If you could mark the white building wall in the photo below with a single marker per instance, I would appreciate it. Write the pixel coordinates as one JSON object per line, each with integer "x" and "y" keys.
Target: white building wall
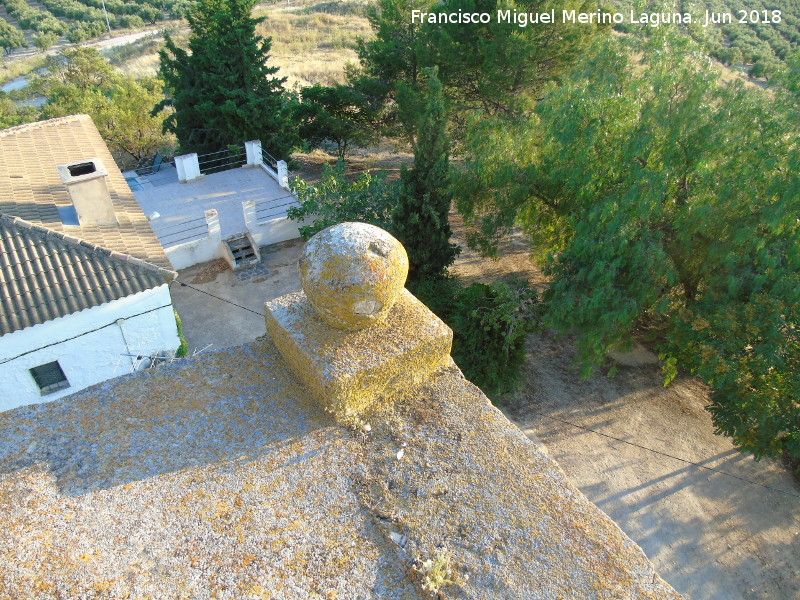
{"x": 198, "y": 251}
{"x": 194, "y": 252}
{"x": 89, "y": 345}
{"x": 275, "y": 230}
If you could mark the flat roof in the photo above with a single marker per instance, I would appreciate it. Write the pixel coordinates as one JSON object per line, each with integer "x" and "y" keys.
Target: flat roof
{"x": 179, "y": 203}
{"x": 219, "y": 476}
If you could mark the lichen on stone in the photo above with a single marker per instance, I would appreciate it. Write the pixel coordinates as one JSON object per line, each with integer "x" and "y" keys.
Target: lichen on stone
{"x": 347, "y": 371}
{"x": 352, "y": 274}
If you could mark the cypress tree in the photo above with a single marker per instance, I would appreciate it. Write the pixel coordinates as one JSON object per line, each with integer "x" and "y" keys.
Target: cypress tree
{"x": 421, "y": 217}
{"x": 221, "y": 89}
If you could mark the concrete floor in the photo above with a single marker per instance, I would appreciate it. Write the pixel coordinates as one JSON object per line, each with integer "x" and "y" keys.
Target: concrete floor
{"x": 176, "y": 203}
{"x": 209, "y": 321}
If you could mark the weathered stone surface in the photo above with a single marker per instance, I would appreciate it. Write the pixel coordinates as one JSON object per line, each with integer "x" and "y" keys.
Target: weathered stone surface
{"x": 220, "y": 471}
{"x": 347, "y": 371}
{"x": 352, "y": 273}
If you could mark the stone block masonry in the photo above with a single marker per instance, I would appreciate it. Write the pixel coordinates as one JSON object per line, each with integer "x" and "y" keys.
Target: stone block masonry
{"x": 354, "y": 335}
{"x": 347, "y": 371}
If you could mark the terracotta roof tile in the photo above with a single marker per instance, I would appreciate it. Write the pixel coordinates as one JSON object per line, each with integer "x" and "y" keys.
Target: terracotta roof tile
{"x": 31, "y": 188}
{"x": 45, "y": 274}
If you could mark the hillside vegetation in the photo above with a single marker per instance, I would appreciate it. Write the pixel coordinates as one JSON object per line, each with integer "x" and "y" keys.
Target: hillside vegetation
{"x": 760, "y": 36}
{"x": 45, "y": 21}
{"x": 312, "y": 42}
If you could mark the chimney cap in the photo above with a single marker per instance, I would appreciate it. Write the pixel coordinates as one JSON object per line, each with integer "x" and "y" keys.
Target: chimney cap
{"x": 82, "y": 170}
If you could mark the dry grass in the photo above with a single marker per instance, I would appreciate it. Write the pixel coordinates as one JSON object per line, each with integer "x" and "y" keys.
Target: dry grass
{"x": 386, "y": 156}
{"x": 141, "y": 66}
{"x": 312, "y": 43}
{"x": 11, "y": 69}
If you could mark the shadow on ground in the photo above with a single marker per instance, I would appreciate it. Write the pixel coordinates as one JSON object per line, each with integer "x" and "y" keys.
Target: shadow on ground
{"x": 710, "y": 526}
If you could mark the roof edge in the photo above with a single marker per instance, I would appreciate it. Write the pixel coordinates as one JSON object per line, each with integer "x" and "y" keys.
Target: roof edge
{"x": 42, "y": 124}
{"x": 68, "y": 239}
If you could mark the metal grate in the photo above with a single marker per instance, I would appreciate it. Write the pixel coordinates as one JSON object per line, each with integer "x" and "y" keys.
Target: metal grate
{"x": 49, "y": 377}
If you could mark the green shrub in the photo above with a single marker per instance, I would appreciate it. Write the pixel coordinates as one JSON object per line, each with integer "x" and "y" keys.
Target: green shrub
{"x": 440, "y": 295}
{"x": 44, "y": 41}
{"x": 369, "y": 198}
{"x": 489, "y": 322}
{"x": 183, "y": 349}
{"x": 489, "y": 329}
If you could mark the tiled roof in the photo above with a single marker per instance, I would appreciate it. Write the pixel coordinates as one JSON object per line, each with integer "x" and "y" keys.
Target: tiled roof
{"x": 45, "y": 274}
{"x": 31, "y": 188}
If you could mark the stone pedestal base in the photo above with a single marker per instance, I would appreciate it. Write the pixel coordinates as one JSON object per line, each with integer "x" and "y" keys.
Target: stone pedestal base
{"x": 346, "y": 371}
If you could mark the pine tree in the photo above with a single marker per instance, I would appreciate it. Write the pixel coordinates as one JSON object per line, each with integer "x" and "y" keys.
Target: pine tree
{"x": 421, "y": 217}
{"x": 221, "y": 89}
{"x": 496, "y": 68}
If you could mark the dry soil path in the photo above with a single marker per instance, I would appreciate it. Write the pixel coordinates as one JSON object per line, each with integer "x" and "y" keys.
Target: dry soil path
{"x": 713, "y": 535}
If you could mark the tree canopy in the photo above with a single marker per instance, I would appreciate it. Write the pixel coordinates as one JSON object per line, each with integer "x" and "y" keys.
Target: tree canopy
{"x": 369, "y": 198}
{"x": 80, "y": 80}
{"x": 338, "y": 114}
{"x": 667, "y": 200}
{"x": 420, "y": 219}
{"x": 11, "y": 38}
{"x": 493, "y": 68}
{"x": 221, "y": 88}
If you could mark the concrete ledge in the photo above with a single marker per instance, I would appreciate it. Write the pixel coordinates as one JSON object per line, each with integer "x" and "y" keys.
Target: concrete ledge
{"x": 347, "y": 371}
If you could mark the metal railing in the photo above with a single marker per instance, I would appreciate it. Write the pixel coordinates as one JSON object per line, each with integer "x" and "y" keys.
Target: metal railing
{"x": 222, "y": 160}
{"x": 266, "y": 210}
{"x": 269, "y": 160}
{"x": 184, "y": 231}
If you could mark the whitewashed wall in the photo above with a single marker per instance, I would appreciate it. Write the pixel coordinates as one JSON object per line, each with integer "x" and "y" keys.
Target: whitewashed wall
{"x": 279, "y": 228}
{"x": 274, "y": 231}
{"x": 88, "y": 345}
{"x": 194, "y": 252}
{"x": 200, "y": 250}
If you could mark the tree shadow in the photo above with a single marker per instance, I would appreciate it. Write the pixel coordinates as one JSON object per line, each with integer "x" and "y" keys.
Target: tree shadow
{"x": 710, "y": 534}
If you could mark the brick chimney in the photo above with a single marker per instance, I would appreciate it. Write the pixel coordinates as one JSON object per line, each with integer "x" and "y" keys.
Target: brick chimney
{"x": 87, "y": 185}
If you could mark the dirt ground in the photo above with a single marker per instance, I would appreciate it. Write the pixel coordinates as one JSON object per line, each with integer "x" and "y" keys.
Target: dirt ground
{"x": 210, "y": 323}
{"x": 713, "y": 535}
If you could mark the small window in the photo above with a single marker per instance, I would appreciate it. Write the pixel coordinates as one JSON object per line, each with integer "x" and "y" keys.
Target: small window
{"x": 50, "y": 378}
{"x": 81, "y": 169}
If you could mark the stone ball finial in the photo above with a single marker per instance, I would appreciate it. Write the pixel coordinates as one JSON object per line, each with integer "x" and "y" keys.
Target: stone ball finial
{"x": 352, "y": 273}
